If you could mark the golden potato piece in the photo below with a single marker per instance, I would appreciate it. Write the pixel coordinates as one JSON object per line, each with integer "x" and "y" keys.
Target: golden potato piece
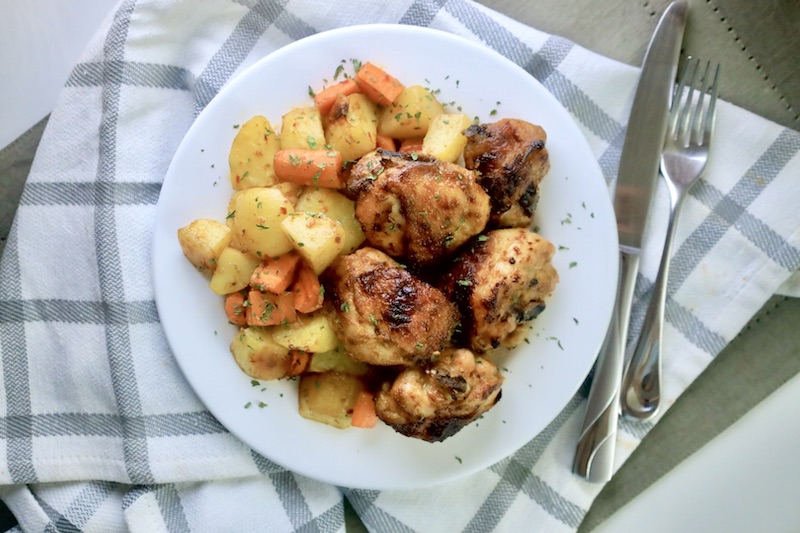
{"x": 202, "y": 242}
{"x": 252, "y": 153}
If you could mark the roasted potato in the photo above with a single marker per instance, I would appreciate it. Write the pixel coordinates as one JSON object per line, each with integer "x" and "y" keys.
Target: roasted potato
{"x": 316, "y": 237}
{"x": 258, "y": 355}
{"x": 202, "y": 241}
{"x": 251, "y": 155}
{"x": 336, "y": 360}
{"x": 301, "y": 127}
{"x": 352, "y": 126}
{"x": 256, "y": 217}
{"x": 339, "y": 208}
{"x": 329, "y": 397}
{"x": 445, "y": 139}
{"x": 310, "y": 333}
{"x": 410, "y": 114}
{"x": 233, "y": 271}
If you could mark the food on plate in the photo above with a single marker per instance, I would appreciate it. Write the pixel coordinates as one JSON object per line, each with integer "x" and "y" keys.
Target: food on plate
{"x": 434, "y": 402}
{"x": 252, "y": 153}
{"x": 511, "y": 160}
{"x": 202, "y": 242}
{"x": 500, "y": 281}
{"x": 376, "y": 248}
{"x": 382, "y": 311}
{"x": 415, "y": 206}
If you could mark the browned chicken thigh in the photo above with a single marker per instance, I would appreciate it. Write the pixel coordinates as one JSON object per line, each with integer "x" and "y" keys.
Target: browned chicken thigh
{"x": 416, "y": 207}
{"x": 435, "y": 402}
{"x": 383, "y": 313}
{"x": 511, "y": 159}
{"x": 500, "y": 281}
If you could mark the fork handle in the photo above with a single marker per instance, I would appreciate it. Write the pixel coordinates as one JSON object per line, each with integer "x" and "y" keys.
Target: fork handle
{"x": 640, "y": 396}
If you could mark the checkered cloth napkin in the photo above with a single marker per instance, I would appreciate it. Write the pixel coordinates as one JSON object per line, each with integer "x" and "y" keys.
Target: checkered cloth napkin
{"x": 99, "y": 430}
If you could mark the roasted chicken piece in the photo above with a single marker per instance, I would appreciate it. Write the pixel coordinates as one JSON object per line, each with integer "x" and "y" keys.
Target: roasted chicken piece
{"x": 499, "y": 281}
{"x": 415, "y": 206}
{"x": 511, "y": 159}
{"x": 383, "y": 314}
{"x": 435, "y": 402}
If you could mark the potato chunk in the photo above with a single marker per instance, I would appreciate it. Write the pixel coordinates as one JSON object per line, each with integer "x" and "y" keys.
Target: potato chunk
{"x": 301, "y": 128}
{"x": 233, "y": 271}
{"x": 316, "y": 237}
{"x": 251, "y": 155}
{"x": 258, "y": 355}
{"x": 202, "y": 241}
{"x": 337, "y": 360}
{"x": 310, "y": 333}
{"x": 329, "y": 397}
{"x": 338, "y": 207}
{"x": 352, "y": 126}
{"x": 410, "y": 115}
{"x": 256, "y": 217}
{"x": 445, "y": 139}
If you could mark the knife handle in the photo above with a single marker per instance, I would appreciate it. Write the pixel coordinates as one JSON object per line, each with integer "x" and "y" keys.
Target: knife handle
{"x": 594, "y": 454}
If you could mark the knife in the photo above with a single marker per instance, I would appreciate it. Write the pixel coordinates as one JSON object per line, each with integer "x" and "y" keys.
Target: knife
{"x": 638, "y": 170}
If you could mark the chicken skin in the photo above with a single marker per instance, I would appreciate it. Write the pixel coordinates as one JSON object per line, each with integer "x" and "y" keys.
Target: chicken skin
{"x": 499, "y": 281}
{"x": 435, "y": 402}
{"x": 415, "y": 206}
{"x": 382, "y": 313}
{"x": 511, "y": 160}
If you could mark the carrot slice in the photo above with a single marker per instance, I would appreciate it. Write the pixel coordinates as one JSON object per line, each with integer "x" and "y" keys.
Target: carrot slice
{"x": 298, "y": 362}
{"x": 411, "y": 146}
{"x": 364, "y": 415}
{"x": 235, "y": 309}
{"x": 308, "y": 293}
{"x": 325, "y": 99}
{"x": 267, "y": 309}
{"x": 381, "y": 87}
{"x": 385, "y": 142}
{"x": 322, "y": 168}
{"x": 275, "y": 275}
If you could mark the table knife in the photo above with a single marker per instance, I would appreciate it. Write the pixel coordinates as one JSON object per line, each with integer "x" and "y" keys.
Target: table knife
{"x": 636, "y": 179}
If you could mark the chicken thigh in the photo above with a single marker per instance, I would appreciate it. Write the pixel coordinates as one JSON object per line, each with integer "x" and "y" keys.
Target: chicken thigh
{"x": 511, "y": 160}
{"x": 499, "y": 281}
{"x": 435, "y": 402}
{"x": 415, "y": 206}
{"x": 383, "y": 313}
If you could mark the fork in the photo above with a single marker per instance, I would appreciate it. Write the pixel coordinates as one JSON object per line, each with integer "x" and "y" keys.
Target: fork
{"x": 689, "y": 129}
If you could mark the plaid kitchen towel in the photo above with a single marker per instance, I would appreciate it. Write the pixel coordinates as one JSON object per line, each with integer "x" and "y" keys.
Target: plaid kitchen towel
{"x": 99, "y": 430}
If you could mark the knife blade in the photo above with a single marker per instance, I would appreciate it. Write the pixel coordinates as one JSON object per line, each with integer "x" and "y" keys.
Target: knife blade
{"x": 636, "y": 179}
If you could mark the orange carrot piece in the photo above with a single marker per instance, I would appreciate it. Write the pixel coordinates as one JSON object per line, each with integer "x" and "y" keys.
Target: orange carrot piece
{"x": 308, "y": 294}
{"x": 298, "y": 362}
{"x": 410, "y": 146}
{"x": 364, "y": 415}
{"x": 275, "y": 275}
{"x": 325, "y": 99}
{"x": 235, "y": 309}
{"x": 381, "y": 87}
{"x": 322, "y": 168}
{"x": 267, "y": 309}
{"x": 386, "y": 142}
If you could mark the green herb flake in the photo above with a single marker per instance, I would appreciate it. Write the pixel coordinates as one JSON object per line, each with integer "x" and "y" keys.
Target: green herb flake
{"x": 312, "y": 142}
{"x": 464, "y": 282}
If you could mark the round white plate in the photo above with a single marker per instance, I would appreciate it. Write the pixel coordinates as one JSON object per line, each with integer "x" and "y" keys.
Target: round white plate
{"x": 574, "y": 212}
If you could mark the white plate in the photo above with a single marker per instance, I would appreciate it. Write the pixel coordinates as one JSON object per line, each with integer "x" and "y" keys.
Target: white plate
{"x": 574, "y": 212}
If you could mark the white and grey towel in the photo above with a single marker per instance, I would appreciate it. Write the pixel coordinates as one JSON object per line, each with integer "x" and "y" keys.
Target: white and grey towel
{"x": 99, "y": 431}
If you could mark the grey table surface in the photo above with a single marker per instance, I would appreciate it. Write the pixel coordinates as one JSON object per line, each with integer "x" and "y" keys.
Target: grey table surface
{"x": 758, "y": 43}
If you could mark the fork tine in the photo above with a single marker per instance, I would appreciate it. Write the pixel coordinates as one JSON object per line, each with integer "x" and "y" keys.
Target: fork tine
{"x": 696, "y": 122}
{"x": 677, "y": 97}
{"x": 683, "y": 132}
{"x": 708, "y": 127}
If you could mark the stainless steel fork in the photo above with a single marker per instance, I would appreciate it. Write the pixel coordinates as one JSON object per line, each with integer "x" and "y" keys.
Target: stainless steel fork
{"x": 689, "y": 129}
